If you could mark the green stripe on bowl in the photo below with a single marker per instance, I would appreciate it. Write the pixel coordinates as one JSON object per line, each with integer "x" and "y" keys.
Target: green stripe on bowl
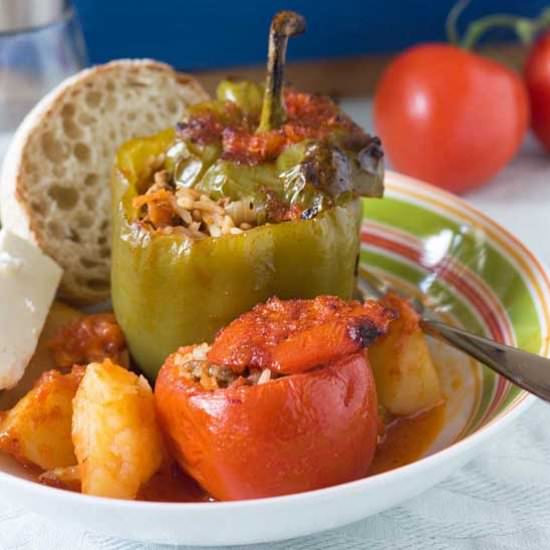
{"x": 470, "y": 246}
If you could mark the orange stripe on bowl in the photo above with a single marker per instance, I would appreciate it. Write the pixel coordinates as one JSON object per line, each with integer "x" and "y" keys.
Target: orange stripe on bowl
{"x": 531, "y": 268}
{"x": 491, "y": 311}
{"x": 494, "y": 231}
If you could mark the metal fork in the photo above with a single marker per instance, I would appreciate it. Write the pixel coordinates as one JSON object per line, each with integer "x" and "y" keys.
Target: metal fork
{"x": 527, "y": 370}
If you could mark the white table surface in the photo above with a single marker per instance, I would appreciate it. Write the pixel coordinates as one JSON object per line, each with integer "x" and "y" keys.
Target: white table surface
{"x": 501, "y": 500}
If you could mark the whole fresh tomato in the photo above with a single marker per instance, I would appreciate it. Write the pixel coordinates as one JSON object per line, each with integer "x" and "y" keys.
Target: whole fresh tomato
{"x": 537, "y": 77}
{"x": 450, "y": 117}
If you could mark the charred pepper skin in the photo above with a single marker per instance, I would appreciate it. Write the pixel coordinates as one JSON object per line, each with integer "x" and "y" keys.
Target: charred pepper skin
{"x": 167, "y": 294}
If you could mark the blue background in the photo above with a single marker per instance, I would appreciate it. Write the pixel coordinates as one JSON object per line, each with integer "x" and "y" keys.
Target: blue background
{"x": 193, "y": 34}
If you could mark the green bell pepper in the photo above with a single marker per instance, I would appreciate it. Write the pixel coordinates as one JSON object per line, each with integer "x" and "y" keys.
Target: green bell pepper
{"x": 297, "y": 161}
{"x": 167, "y": 294}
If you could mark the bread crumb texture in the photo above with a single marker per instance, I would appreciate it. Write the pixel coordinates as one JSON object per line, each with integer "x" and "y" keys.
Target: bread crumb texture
{"x": 67, "y": 161}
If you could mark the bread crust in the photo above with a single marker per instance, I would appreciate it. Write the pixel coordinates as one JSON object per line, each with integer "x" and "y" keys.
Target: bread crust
{"x": 16, "y": 212}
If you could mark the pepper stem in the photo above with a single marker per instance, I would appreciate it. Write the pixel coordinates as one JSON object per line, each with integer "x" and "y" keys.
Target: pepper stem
{"x": 284, "y": 25}
{"x": 524, "y": 27}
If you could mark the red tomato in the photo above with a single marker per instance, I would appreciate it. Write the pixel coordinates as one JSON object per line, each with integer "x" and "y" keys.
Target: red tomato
{"x": 450, "y": 117}
{"x": 537, "y": 77}
{"x": 296, "y": 433}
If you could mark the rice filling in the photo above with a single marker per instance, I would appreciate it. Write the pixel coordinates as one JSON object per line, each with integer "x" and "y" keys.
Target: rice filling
{"x": 187, "y": 212}
{"x": 194, "y": 366}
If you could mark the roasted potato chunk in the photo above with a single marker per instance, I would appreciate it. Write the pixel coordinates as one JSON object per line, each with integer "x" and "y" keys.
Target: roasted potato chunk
{"x": 406, "y": 379}
{"x": 38, "y": 429}
{"x": 115, "y": 432}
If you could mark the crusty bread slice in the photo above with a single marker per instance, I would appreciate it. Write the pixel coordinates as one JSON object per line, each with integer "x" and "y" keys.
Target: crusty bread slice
{"x": 54, "y": 188}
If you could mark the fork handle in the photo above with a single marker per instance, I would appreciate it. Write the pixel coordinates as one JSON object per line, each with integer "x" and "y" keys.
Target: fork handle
{"x": 527, "y": 370}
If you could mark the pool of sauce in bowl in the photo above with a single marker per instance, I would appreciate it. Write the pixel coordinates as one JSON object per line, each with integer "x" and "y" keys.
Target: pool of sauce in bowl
{"x": 405, "y": 440}
{"x": 173, "y": 485}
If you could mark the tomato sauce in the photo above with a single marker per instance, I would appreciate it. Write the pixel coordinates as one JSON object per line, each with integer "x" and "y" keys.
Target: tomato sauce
{"x": 173, "y": 485}
{"x": 405, "y": 440}
{"x": 88, "y": 339}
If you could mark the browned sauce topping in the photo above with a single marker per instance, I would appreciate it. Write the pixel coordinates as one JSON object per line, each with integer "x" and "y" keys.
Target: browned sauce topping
{"x": 278, "y": 333}
{"x": 309, "y": 116}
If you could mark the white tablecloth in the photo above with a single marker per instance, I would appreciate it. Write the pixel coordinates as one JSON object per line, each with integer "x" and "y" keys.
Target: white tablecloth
{"x": 501, "y": 500}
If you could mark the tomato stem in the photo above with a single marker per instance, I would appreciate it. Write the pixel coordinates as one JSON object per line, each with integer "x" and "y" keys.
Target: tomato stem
{"x": 525, "y": 28}
{"x": 451, "y": 24}
{"x": 284, "y": 25}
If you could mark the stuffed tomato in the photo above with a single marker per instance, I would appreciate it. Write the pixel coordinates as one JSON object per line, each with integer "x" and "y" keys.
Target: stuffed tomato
{"x": 276, "y": 426}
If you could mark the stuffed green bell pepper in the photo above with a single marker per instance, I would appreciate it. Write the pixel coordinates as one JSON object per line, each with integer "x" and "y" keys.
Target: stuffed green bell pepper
{"x": 256, "y": 194}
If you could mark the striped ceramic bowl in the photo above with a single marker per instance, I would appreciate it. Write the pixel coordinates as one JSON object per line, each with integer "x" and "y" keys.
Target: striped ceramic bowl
{"x": 473, "y": 273}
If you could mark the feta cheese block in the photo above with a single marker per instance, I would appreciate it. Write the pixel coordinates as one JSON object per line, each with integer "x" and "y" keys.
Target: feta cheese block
{"x": 28, "y": 284}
